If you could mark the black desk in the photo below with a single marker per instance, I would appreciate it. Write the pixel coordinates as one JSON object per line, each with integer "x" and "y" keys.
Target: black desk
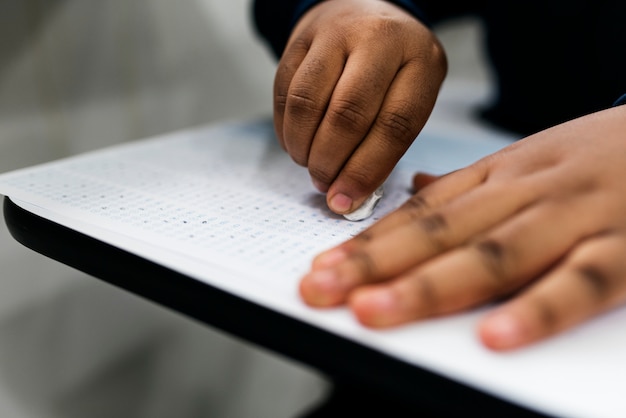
{"x": 372, "y": 378}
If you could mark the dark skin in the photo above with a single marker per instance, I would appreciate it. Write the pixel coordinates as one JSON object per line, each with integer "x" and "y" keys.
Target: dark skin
{"x": 356, "y": 84}
{"x": 341, "y": 104}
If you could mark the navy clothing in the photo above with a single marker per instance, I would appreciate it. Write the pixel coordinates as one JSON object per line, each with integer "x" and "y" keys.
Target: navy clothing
{"x": 552, "y": 60}
{"x": 620, "y": 101}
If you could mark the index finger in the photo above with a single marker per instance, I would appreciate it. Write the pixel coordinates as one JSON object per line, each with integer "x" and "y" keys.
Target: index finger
{"x": 303, "y": 87}
{"x": 422, "y": 203}
{"x": 404, "y": 111}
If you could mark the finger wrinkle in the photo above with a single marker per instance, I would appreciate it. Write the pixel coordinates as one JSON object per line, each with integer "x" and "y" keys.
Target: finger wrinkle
{"x": 280, "y": 101}
{"x": 304, "y": 105}
{"x": 427, "y": 298}
{"x": 434, "y": 228}
{"x": 364, "y": 236}
{"x": 493, "y": 258}
{"x": 321, "y": 176}
{"x": 360, "y": 176}
{"x": 365, "y": 264}
{"x": 434, "y": 223}
{"x": 398, "y": 126}
{"x": 599, "y": 282}
{"x": 546, "y": 314}
{"x": 348, "y": 116}
{"x": 415, "y": 206}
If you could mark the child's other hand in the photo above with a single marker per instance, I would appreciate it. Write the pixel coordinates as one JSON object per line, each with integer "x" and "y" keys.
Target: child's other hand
{"x": 543, "y": 222}
{"x": 356, "y": 83}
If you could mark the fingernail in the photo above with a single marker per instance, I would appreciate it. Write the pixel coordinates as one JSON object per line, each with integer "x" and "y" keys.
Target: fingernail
{"x": 340, "y": 203}
{"x": 321, "y": 288}
{"x": 329, "y": 258}
{"x": 325, "y": 280}
{"x": 375, "y": 308}
{"x": 503, "y": 330}
{"x": 382, "y": 300}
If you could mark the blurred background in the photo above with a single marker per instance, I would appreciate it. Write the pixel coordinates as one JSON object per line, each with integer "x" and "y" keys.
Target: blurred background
{"x": 80, "y": 75}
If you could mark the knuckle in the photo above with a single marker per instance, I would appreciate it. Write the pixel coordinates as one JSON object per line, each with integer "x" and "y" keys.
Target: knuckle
{"x": 365, "y": 265}
{"x": 348, "y": 115}
{"x": 365, "y": 236}
{"x": 493, "y": 256}
{"x": 321, "y": 174}
{"x": 434, "y": 224}
{"x": 300, "y": 43}
{"x": 302, "y": 103}
{"x": 385, "y": 27}
{"x": 428, "y": 300}
{"x": 415, "y": 207}
{"x": 436, "y": 54}
{"x": 397, "y": 126}
{"x": 597, "y": 280}
{"x": 547, "y": 314}
{"x": 435, "y": 230}
{"x": 359, "y": 177}
{"x": 280, "y": 102}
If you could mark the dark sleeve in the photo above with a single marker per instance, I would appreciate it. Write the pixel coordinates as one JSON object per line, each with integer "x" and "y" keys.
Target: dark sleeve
{"x": 274, "y": 19}
{"x": 620, "y": 101}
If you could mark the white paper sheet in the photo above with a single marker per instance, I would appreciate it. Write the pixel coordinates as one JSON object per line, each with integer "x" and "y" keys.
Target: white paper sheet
{"x": 225, "y": 205}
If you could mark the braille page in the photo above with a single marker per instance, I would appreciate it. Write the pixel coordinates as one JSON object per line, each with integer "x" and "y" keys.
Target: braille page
{"x": 226, "y": 206}
{"x": 227, "y": 195}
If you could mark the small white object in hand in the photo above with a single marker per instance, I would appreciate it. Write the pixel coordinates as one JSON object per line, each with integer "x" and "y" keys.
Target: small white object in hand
{"x": 367, "y": 208}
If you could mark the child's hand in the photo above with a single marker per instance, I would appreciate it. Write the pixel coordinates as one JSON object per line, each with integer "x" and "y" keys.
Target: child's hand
{"x": 543, "y": 220}
{"x": 355, "y": 85}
